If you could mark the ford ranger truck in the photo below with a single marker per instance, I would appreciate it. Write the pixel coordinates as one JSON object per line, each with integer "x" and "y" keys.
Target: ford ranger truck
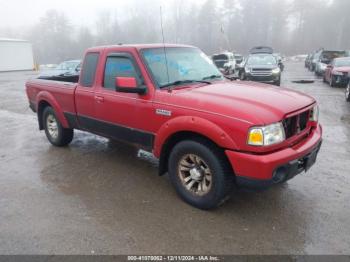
{"x": 210, "y": 134}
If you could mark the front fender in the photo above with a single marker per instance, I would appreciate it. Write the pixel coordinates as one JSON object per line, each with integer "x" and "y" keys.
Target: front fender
{"x": 49, "y": 98}
{"x": 192, "y": 124}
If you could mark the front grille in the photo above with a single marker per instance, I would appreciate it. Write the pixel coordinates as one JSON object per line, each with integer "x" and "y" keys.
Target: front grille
{"x": 261, "y": 72}
{"x": 296, "y": 124}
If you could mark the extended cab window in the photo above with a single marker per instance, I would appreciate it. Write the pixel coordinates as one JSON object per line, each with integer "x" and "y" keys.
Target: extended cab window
{"x": 89, "y": 69}
{"x": 118, "y": 66}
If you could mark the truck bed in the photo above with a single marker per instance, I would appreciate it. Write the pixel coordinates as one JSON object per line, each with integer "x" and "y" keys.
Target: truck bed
{"x": 63, "y": 93}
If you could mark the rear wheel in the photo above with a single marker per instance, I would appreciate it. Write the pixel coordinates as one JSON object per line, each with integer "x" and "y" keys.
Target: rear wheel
{"x": 55, "y": 132}
{"x": 200, "y": 174}
{"x": 347, "y": 93}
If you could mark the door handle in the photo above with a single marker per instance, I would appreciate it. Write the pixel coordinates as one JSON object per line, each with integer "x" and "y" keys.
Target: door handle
{"x": 99, "y": 99}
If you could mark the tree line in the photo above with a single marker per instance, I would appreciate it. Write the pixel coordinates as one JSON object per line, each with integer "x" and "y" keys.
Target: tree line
{"x": 289, "y": 26}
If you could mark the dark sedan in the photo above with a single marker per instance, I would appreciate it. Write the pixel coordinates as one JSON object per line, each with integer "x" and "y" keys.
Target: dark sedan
{"x": 261, "y": 68}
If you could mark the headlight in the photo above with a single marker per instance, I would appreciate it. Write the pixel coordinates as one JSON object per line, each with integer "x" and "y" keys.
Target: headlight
{"x": 276, "y": 70}
{"x": 247, "y": 70}
{"x": 266, "y": 135}
{"x": 336, "y": 73}
{"x": 314, "y": 114}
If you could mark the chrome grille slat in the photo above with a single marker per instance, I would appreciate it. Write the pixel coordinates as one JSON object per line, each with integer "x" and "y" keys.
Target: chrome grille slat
{"x": 261, "y": 72}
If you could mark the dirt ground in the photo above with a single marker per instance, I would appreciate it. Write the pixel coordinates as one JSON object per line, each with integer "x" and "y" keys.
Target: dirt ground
{"x": 101, "y": 197}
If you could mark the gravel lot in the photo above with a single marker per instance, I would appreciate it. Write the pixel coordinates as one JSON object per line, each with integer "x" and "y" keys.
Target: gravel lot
{"x": 100, "y": 197}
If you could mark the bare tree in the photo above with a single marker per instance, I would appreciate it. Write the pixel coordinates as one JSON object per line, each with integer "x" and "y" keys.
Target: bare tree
{"x": 289, "y": 26}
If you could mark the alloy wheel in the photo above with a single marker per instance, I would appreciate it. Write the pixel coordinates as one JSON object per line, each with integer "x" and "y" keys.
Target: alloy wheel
{"x": 195, "y": 174}
{"x": 52, "y": 126}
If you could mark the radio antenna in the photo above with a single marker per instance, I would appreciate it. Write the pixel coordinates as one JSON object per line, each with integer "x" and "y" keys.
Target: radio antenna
{"x": 165, "y": 56}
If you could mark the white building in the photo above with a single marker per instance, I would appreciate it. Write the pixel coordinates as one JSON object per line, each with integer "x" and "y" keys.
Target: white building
{"x": 15, "y": 55}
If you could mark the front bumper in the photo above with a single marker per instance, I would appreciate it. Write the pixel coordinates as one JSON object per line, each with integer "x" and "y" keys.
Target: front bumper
{"x": 263, "y": 79}
{"x": 253, "y": 170}
{"x": 341, "y": 79}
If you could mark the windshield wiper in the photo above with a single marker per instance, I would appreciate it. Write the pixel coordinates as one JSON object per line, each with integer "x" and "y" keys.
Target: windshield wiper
{"x": 180, "y": 82}
{"x": 212, "y": 77}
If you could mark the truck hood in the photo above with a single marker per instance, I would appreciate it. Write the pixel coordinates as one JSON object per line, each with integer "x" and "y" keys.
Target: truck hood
{"x": 251, "y": 102}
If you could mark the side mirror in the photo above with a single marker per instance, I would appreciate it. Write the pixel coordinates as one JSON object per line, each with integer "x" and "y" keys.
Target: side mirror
{"x": 128, "y": 85}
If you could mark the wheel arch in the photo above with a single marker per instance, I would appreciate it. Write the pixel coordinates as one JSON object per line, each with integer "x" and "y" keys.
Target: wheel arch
{"x": 179, "y": 129}
{"x": 45, "y": 99}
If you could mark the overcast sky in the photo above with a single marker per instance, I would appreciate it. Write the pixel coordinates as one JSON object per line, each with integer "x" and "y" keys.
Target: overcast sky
{"x": 16, "y": 13}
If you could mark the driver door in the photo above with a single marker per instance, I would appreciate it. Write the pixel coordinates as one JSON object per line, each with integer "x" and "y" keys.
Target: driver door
{"x": 123, "y": 116}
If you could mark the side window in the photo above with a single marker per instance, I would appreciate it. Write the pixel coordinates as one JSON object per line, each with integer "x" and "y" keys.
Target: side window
{"x": 118, "y": 66}
{"x": 89, "y": 69}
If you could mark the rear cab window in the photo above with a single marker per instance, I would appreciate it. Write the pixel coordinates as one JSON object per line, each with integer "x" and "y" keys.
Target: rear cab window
{"x": 89, "y": 69}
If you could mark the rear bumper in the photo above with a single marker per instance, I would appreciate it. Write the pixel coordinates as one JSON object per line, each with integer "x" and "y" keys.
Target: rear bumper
{"x": 265, "y": 170}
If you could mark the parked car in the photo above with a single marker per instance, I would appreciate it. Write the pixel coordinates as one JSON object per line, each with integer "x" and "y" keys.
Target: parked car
{"x": 240, "y": 66}
{"x": 347, "y": 92}
{"x": 337, "y": 72}
{"x": 308, "y": 60}
{"x": 279, "y": 60}
{"x": 209, "y": 133}
{"x": 324, "y": 58}
{"x": 261, "y": 50}
{"x": 239, "y": 58}
{"x": 261, "y": 68}
{"x": 225, "y": 62}
{"x": 65, "y": 68}
{"x": 314, "y": 61}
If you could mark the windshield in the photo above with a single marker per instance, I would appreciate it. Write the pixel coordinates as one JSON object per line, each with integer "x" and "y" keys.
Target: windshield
{"x": 220, "y": 57}
{"x": 184, "y": 63}
{"x": 327, "y": 56}
{"x": 68, "y": 65}
{"x": 341, "y": 62}
{"x": 262, "y": 60}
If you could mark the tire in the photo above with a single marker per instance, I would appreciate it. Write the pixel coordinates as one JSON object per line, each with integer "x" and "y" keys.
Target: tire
{"x": 242, "y": 76}
{"x": 347, "y": 92}
{"x": 331, "y": 82}
{"x": 204, "y": 160}
{"x": 55, "y": 132}
{"x": 278, "y": 82}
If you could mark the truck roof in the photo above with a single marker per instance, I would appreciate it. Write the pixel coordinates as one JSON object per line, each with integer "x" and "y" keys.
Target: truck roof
{"x": 135, "y": 46}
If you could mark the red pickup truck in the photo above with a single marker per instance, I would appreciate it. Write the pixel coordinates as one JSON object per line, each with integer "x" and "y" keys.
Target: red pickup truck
{"x": 210, "y": 134}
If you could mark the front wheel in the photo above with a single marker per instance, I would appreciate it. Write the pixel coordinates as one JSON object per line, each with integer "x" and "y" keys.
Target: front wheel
{"x": 200, "y": 174}
{"x": 55, "y": 132}
{"x": 277, "y": 83}
{"x": 347, "y": 93}
{"x": 332, "y": 81}
{"x": 242, "y": 76}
